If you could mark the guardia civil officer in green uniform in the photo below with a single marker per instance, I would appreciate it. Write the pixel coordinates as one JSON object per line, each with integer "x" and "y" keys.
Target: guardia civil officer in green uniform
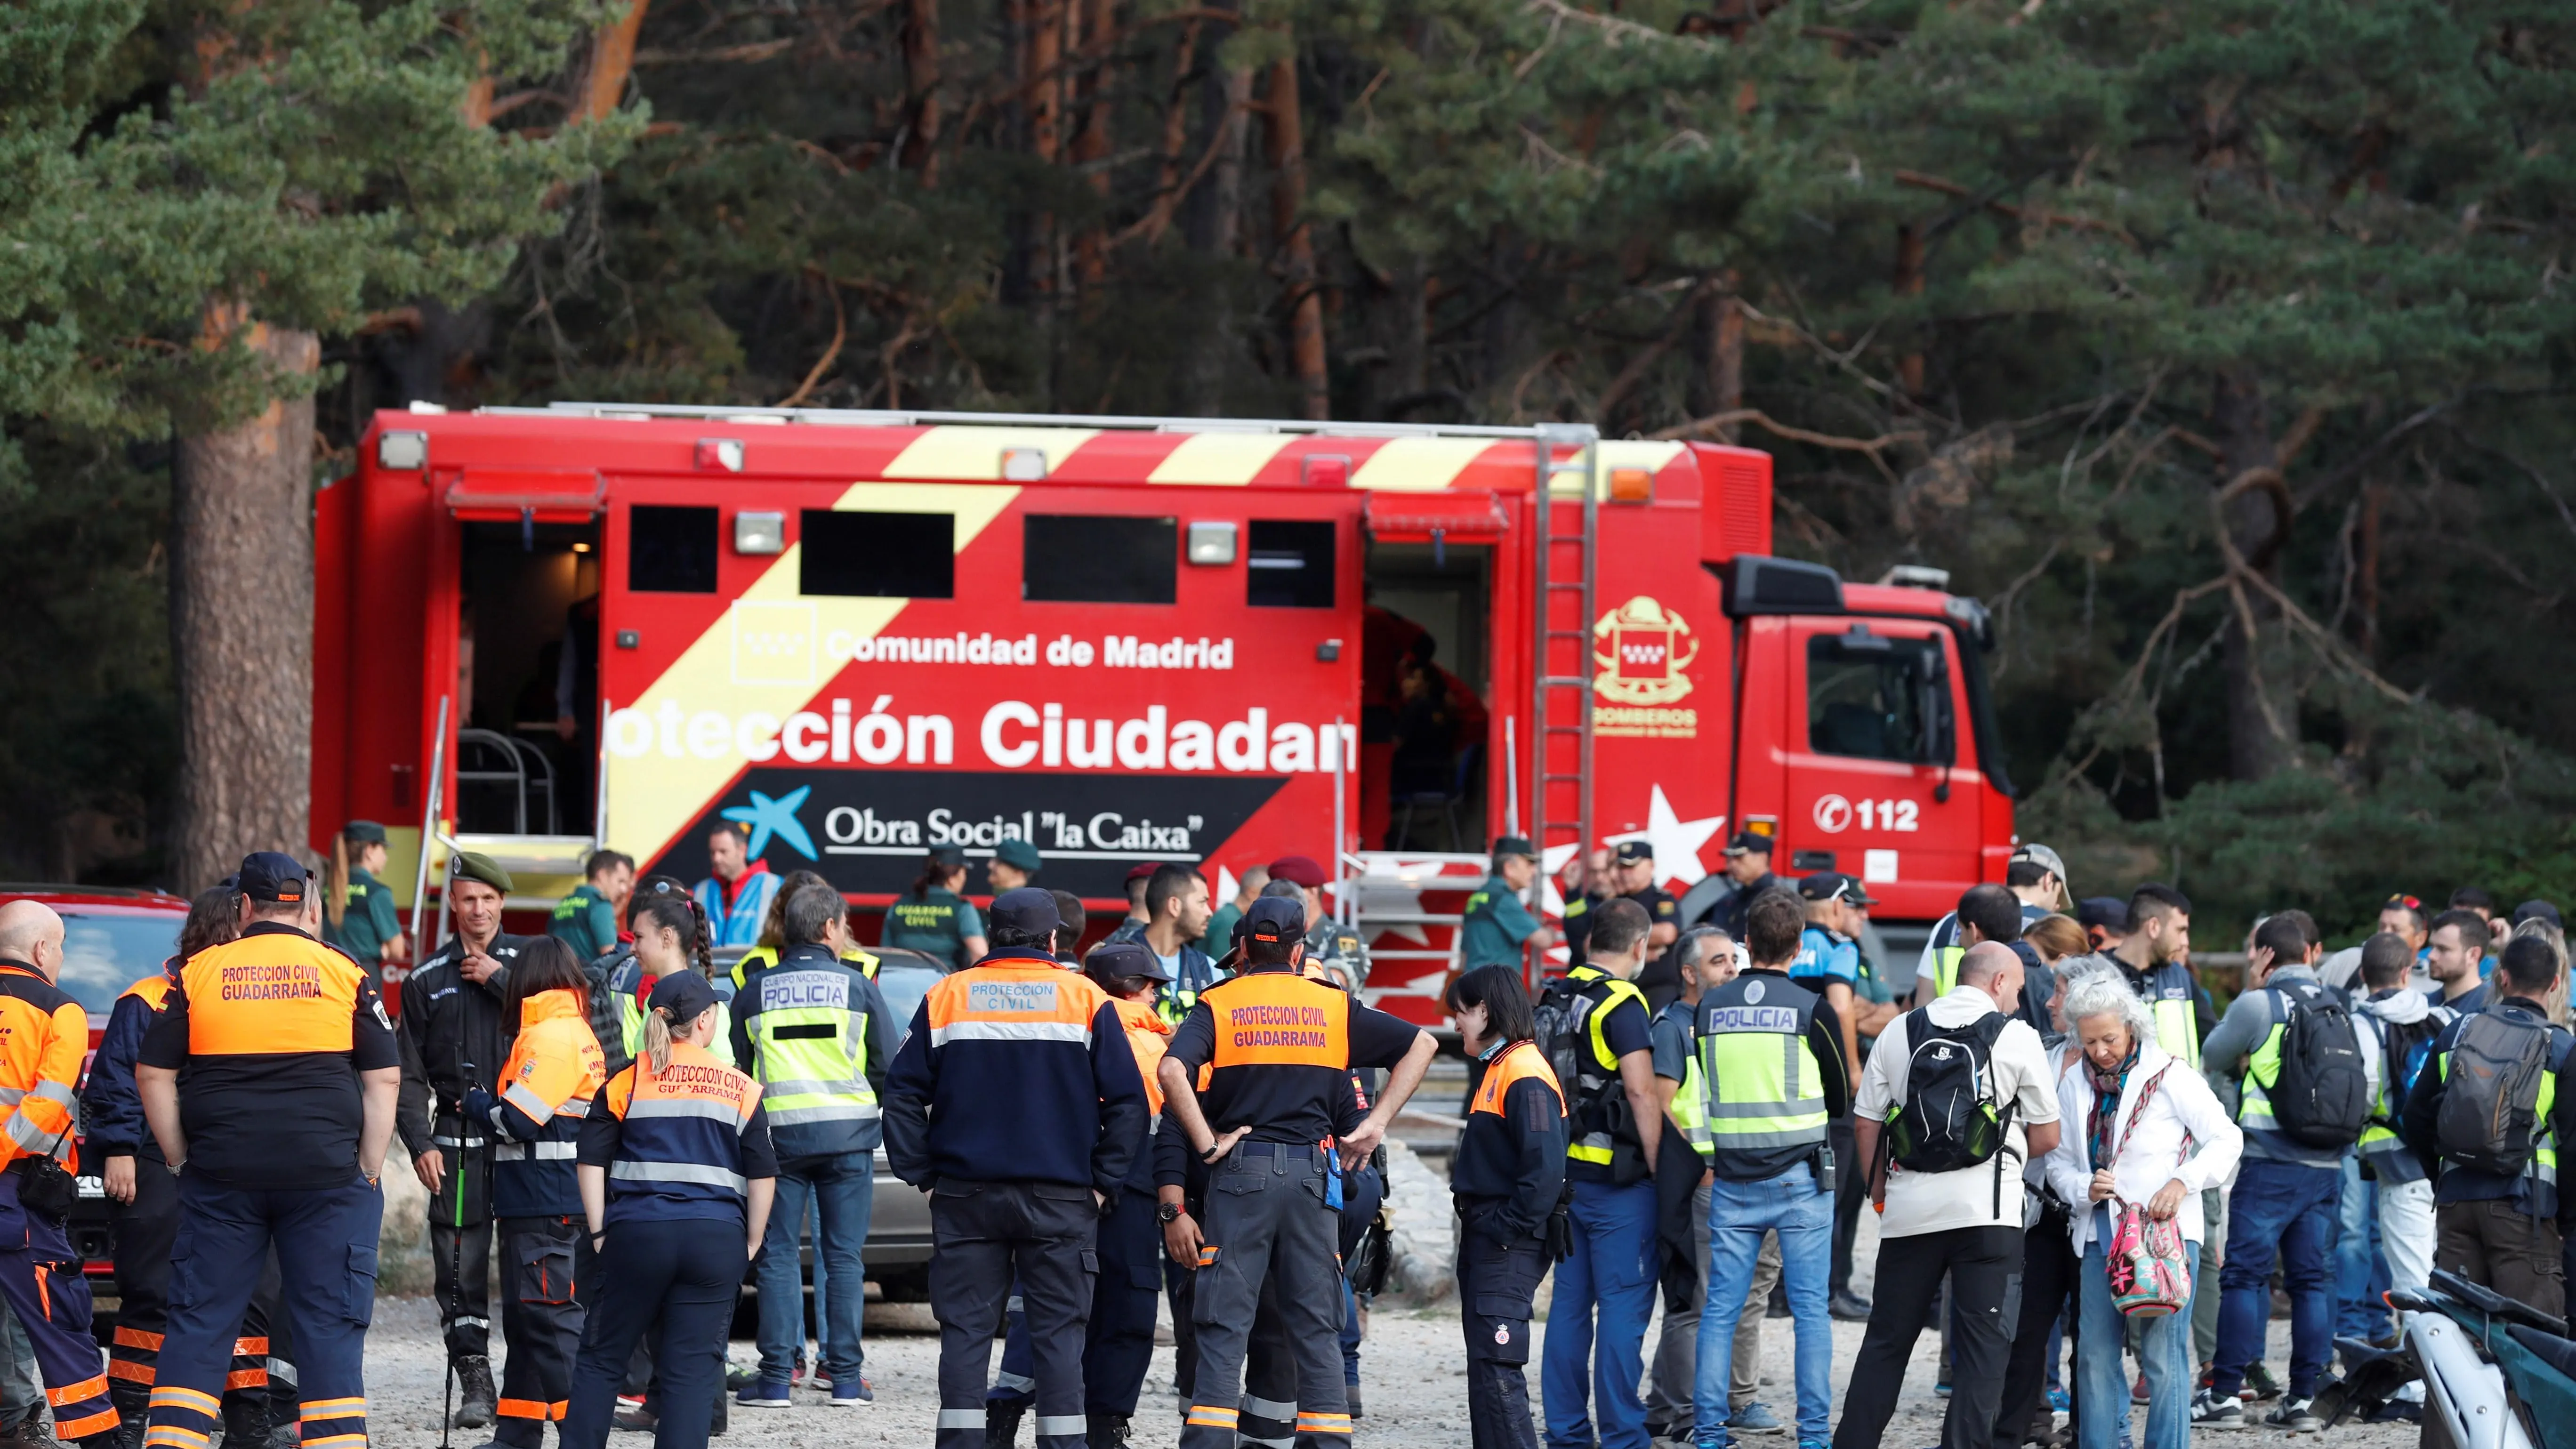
{"x": 359, "y": 916}
{"x": 586, "y": 920}
{"x": 812, "y": 1030}
{"x": 933, "y": 917}
{"x": 1499, "y": 927}
{"x": 1014, "y": 864}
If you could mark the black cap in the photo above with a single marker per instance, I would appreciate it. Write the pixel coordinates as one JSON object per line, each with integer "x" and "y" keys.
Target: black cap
{"x": 947, "y": 855}
{"x": 1514, "y": 845}
{"x": 682, "y": 996}
{"x": 1114, "y": 959}
{"x": 268, "y": 875}
{"x": 1827, "y": 885}
{"x": 2537, "y": 910}
{"x": 1632, "y": 851}
{"x": 364, "y": 832}
{"x": 1030, "y": 908}
{"x": 1747, "y": 842}
{"x": 2110, "y": 913}
{"x": 1273, "y": 919}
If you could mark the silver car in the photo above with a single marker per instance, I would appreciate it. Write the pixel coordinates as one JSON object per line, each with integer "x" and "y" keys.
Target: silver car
{"x": 897, "y": 1255}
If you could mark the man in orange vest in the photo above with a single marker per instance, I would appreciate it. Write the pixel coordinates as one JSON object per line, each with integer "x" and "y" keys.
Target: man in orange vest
{"x": 43, "y": 1035}
{"x": 1015, "y": 1103}
{"x": 1279, "y": 1048}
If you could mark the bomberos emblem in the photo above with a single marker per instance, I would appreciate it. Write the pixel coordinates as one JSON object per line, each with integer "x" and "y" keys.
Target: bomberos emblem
{"x": 1641, "y": 650}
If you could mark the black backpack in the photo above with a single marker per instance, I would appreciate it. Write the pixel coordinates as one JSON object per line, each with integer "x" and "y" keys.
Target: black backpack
{"x": 2405, "y": 1049}
{"x": 1948, "y": 1118}
{"x": 2490, "y": 1112}
{"x": 1561, "y": 1019}
{"x": 2322, "y": 1096}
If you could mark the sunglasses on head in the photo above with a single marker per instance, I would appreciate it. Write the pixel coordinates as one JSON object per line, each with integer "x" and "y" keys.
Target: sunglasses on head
{"x": 2412, "y": 903}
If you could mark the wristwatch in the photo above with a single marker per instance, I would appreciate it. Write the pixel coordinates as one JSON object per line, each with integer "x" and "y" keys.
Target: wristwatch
{"x": 1168, "y": 1212}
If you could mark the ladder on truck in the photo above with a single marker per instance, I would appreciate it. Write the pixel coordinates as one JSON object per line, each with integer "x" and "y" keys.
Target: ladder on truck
{"x": 1562, "y": 610}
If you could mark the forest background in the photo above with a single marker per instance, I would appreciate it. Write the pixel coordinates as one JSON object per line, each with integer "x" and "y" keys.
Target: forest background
{"x": 2222, "y": 348}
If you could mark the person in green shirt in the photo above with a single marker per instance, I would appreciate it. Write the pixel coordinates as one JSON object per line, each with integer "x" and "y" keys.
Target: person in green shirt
{"x": 1498, "y": 928}
{"x": 933, "y": 918}
{"x": 586, "y": 920}
{"x": 1220, "y": 932}
{"x": 359, "y": 916}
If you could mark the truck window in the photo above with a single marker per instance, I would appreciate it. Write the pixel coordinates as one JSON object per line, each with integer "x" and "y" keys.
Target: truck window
{"x": 877, "y": 555}
{"x": 1081, "y": 558}
{"x": 1877, "y": 698}
{"x": 670, "y": 550}
{"x": 1288, "y": 564}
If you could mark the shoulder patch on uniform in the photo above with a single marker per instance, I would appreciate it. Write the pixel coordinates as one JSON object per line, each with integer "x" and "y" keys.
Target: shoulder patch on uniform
{"x": 382, "y": 1020}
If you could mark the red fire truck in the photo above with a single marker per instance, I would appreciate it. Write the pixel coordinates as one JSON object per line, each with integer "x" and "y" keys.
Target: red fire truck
{"x": 863, "y": 635}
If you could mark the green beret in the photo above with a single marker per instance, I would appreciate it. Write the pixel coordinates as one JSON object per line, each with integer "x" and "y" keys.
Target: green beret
{"x": 1014, "y": 851}
{"x": 469, "y": 866}
{"x": 364, "y": 832}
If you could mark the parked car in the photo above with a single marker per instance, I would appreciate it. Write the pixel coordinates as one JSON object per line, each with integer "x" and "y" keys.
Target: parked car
{"x": 897, "y": 1254}
{"x": 112, "y": 938}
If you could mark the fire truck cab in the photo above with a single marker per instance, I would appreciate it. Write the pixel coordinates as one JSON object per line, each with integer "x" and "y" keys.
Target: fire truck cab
{"x": 862, "y": 635}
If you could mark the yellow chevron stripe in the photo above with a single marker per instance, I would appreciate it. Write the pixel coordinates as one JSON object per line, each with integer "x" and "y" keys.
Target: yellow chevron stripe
{"x": 1419, "y": 465}
{"x": 652, "y": 798}
{"x": 1222, "y": 459}
{"x": 976, "y": 453}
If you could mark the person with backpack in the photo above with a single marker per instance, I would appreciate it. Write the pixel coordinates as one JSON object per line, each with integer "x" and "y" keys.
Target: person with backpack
{"x": 2288, "y": 1053}
{"x": 1771, "y": 1063}
{"x": 2148, "y": 1136}
{"x": 1594, "y": 1028}
{"x": 2491, "y": 1109}
{"x": 2403, "y": 1023}
{"x": 1956, "y": 1099}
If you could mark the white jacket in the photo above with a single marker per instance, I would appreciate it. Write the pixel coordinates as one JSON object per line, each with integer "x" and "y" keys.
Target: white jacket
{"x": 2183, "y": 1103}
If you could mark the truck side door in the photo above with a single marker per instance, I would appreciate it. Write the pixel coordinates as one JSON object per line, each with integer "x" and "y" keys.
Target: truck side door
{"x": 1879, "y": 783}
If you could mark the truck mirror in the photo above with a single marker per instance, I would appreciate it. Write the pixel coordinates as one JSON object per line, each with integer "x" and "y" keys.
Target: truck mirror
{"x": 1756, "y": 584}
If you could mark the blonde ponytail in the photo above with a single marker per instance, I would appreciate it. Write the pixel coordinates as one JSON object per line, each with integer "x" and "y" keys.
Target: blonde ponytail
{"x": 335, "y": 882}
{"x": 657, "y": 1041}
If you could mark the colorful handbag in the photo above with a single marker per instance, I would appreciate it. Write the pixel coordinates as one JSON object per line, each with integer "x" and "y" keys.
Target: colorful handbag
{"x": 2147, "y": 1258}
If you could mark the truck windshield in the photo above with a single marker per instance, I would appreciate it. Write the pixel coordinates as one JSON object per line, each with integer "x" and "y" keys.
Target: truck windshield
{"x": 105, "y": 953}
{"x": 1867, "y": 697}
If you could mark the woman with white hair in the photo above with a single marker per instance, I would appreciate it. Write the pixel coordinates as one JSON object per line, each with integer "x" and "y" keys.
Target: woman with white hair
{"x": 2143, "y": 1130}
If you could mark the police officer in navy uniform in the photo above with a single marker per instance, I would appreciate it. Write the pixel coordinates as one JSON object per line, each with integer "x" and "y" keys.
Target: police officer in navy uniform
{"x": 1279, "y": 1047}
{"x": 1633, "y": 867}
{"x": 933, "y": 918}
{"x": 456, "y": 1034}
{"x": 1015, "y": 1103}
{"x": 1748, "y": 864}
{"x": 269, "y": 1081}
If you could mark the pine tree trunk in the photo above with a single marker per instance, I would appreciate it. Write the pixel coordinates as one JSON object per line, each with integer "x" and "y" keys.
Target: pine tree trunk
{"x": 241, "y": 628}
{"x": 1287, "y": 158}
{"x": 921, "y": 84}
{"x": 2262, "y": 706}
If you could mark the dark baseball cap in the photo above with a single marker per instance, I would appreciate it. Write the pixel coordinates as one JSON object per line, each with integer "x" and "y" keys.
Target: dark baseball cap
{"x": 2537, "y": 910}
{"x": 682, "y": 996}
{"x": 1299, "y": 870}
{"x": 364, "y": 832}
{"x": 269, "y": 875}
{"x": 1826, "y": 885}
{"x": 1114, "y": 959}
{"x": 1514, "y": 845}
{"x": 947, "y": 855}
{"x": 1014, "y": 851}
{"x": 1030, "y": 908}
{"x": 1748, "y": 842}
{"x": 1632, "y": 851}
{"x": 2109, "y": 913}
{"x": 1274, "y": 918}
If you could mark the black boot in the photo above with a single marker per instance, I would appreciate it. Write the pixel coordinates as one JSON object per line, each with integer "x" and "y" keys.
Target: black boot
{"x": 133, "y": 1403}
{"x": 478, "y": 1402}
{"x": 1002, "y": 1422}
{"x": 1105, "y": 1431}
{"x": 246, "y": 1419}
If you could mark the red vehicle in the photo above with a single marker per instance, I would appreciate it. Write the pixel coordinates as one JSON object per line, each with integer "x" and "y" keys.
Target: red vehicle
{"x": 112, "y": 938}
{"x": 1126, "y": 640}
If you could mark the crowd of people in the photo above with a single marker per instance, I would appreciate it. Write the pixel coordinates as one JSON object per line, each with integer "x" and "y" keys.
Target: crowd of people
{"x": 2087, "y": 1177}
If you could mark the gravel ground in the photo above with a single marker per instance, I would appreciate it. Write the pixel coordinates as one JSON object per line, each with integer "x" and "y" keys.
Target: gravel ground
{"x": 1414, "y": 1389}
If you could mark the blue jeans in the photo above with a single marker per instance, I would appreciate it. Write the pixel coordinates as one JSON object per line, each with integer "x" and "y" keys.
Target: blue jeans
{"x": 1739, "y": 1213}
{"x": 2164, "y": 1351}
{"x": 2285, "y": 1208}
{"x": 2361, "y": 1274}
{"x": 843, "y": 1191}
{"x": 1612, "y": 1269}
